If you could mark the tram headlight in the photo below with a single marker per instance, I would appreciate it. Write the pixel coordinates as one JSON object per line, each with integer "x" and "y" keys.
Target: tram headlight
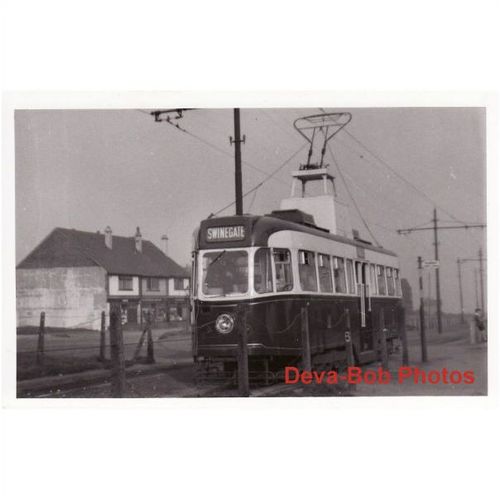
{"x": 224, "y": 323}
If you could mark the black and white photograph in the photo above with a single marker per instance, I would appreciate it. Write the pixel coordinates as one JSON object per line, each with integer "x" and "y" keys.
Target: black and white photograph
{"x": 263, "y": 252}
{"x": 249, "y": 249}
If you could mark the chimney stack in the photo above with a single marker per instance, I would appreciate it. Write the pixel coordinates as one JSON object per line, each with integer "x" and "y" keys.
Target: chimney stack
{"x": 164, "y": 246}
{"x": 138, "y": 240}
{"x": 108, "y": 237}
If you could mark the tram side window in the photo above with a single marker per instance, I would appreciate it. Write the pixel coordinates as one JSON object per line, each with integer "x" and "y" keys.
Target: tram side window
{"x": 325, "y": 273}
{"x": 263, "y": 275}
{"x": 307, "y": 271}
{"x": 381, "y": 280}
{"x": 339, "y": 275}
{"x": 283, "y": 270}
{"x": 350, "y": 276}
{"x": 373, "y": 281}
{"x": 398, "y": 282}
{"x": 390, "y": 281}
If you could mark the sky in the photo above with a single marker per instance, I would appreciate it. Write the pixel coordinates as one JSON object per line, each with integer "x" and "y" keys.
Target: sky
{"x": 87, "y": 169}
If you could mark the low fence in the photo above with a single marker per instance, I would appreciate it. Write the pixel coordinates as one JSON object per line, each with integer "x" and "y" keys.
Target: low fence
{"x": 49, "y": 353}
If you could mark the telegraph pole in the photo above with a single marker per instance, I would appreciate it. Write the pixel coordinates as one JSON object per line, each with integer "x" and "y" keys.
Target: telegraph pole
{"x": 423, "y": 341}
{"x": 438, "y": 286}
{"x": 481, "y": 277}
{"x": 237, "y": 162}
{"x": 459, "y": 266}
{"x": 435, "y": 228}
{"x": 475, "y": 287}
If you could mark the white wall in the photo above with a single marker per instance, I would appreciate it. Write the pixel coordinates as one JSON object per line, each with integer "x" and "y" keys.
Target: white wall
{"x": 71, "y": 297}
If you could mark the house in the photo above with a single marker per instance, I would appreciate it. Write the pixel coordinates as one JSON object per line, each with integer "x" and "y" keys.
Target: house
{"x": 74, "y": 275}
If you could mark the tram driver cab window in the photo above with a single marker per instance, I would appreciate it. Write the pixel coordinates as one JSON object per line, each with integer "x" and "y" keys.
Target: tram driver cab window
{"x": 283, "y": 270}
{"x": 307, "y": 271}
{"x": 225, "y": 272}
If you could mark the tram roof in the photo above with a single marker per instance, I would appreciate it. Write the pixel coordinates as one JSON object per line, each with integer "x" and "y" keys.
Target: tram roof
{"x": 258, "y": 229}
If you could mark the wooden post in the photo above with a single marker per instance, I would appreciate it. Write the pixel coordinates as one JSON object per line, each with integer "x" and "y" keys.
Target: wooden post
{"x": 423, "y": 340}
{"x": 116, "y": 350}
{"x": 306, "y": 345}
{"x": 404, "y": 339}
{"x": 243, "y": 380}
{"x": 383, "y": 341}
{"x": 150, "y": 357}
{"x": 348, "y": 339}
{"x": 40, "y": 351}
{"x": 102, "y": 348}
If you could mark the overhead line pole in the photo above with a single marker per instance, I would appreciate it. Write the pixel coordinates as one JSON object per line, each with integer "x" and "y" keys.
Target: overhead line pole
{"x": 438, "y": 285}
{"x": 459, "y": 266}
{"x": 435, "y": 228}
{"x": 238, "y": 184}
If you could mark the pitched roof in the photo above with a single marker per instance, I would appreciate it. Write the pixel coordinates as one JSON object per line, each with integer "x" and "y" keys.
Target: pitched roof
{"x": 72, "y": 248}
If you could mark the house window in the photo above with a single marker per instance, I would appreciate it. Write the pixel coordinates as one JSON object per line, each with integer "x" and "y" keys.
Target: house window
{"x": 153, "y": 284}
{"x": 125, "y": 283}
{"x": 178, "y": 284}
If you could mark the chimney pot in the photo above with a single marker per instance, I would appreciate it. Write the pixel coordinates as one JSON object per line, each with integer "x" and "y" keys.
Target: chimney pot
{"x": 164, "y": 241}
{"x": 108, "y": 237}
{"x": 138, "y": 240}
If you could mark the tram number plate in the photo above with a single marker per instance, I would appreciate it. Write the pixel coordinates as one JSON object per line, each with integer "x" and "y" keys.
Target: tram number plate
{"x": 347, "y": 336}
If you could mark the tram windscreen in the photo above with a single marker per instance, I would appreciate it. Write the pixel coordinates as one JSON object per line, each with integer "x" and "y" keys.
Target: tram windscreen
{"x": 225, "y": 272}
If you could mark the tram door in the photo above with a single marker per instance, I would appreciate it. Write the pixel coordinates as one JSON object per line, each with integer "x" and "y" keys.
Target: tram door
{"x": 366, "y": 331}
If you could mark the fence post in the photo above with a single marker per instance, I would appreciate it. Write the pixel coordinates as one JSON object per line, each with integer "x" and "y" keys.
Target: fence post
{"x": 243, "y": 381}
{"x": 383, "y": 341}
{"x": 150, "y": 357}
{"x": 102, "y": 348}
{"x": 404, "y": 339}
{"x": 40, "y": 350}
{"x": 116, "y": 351}
{"x": 306, "y": 344}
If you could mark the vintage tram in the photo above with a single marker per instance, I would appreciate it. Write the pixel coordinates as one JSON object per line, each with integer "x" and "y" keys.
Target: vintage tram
{"x": 270, "y": 268}
{"x": 273, "y": 266}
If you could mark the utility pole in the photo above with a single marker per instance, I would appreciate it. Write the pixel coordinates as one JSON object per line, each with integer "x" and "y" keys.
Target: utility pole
{"x": 238, "y": 184}
{"x": 475, "y": 287}
{"x": 438, "y": 286}
{"x": 423, "y": 342}
{"x": 435, "y": 228}
{"x": 481, "y": 277}
{"x": 459, "y": 266}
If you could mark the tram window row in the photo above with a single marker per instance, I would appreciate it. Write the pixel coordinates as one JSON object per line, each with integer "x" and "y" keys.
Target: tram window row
{"x": 226, "y": 272}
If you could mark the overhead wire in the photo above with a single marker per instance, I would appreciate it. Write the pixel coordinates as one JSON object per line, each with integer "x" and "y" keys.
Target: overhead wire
{"x": 216, "y": 148}
{"x": 351, "y": 196}
{"x": 401, "y": 177}
{"x": 257, "y": 186}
